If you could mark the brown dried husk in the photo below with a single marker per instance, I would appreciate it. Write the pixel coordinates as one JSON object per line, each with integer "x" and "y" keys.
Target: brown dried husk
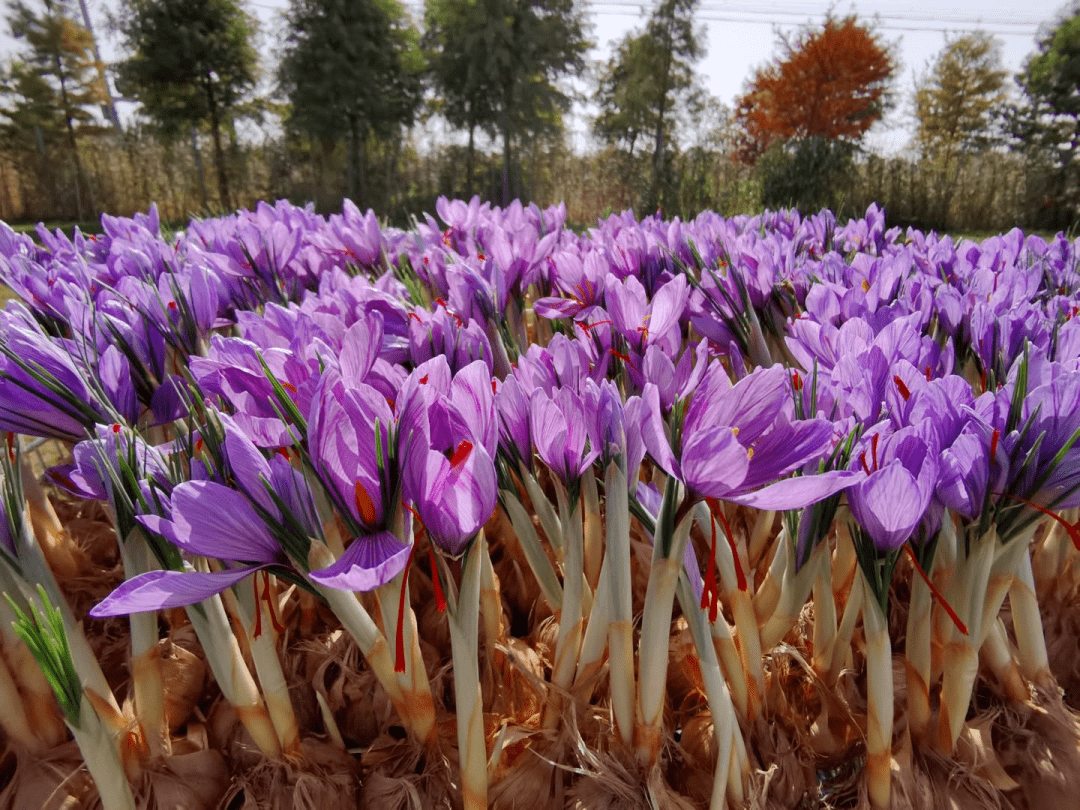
{"x": 805, "y": 750}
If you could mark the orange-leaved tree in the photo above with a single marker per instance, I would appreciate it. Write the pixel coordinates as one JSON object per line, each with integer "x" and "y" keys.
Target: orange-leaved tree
{"x": 830, "y": 83}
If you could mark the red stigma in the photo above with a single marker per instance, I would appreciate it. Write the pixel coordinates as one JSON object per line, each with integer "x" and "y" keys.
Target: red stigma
{"x": 928, "y": 373}
{"x": 271, "y": 605}
{"x": 862, "y": 460}
{"x": 587, "y": 326}
{"x": 710, "y": 594}
{"x": 11, "y": 446}
{"x": 423, "y": 380}
{"x": 365, "y": 507}
{"x": 399, "y": 646}
{"x": 172, "y": 305}
{"x": 873, "y": 449}
{"x": 1072, "y": 529}
{"x": 115, "y": 428}
{"x": 493, "y": 389}
{"x": 284, "y": 453}
{"x": 993, "y": 445}
{"x": 937, "y": 595}
{"x": 481, "y": 256}
{"x": 440, "y": 597}
{"x": 903, "y": 389}
{"x": 796, "y": 381}
{"x": 460, "y": 454}
{"x": 288, "y": 386}
{"x": 416, "y": 317}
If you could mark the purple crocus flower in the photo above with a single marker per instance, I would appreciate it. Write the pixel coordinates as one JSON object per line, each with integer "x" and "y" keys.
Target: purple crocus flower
{"x": 561, "y": 433}
{"x": 737, "y": 438}
{"x": 207, "y": 519}
{"x": 347, "y": 428}
{"x": 902, "y": 473}
{"x": 448, "y": 441}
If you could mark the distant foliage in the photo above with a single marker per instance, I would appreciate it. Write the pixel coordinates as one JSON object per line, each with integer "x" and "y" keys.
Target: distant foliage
{"x": 642, "y": 87}
{"x": 190, "y": 62}
{"x": 831, "y": 82}
{"x": 47, "y": 95}
{"x": 351, "y": 70}
{"x": 1046, "y": 124}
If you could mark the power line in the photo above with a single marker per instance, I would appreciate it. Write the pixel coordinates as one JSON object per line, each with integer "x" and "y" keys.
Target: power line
{"x": 750, "y": 20}
{"x": 729, "y": 8}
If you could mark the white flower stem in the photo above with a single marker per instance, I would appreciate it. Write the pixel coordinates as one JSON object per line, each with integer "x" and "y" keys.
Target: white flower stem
{"x": 917, "y": 657}
{"x": 1027, "y": 623}
{"x": 960, "y": 660}
{"x": 620, "y": 596}
{"x": 464, "y": 630}
{"x": 997, "y": 655}
{"x": 226, "y": 661}
{"x": 568, "y": 642}
{"x": 794, "y": 591}
{"x": 413, "y": 681}
{"x": 746, "y": 645}
{"x": 655, "y": 638}
{"x": 359, "y": 624}
{"x": 146, "y": 672}
{"x": 98, "y": 747}
{"x": 253, "y": 613}
{"x": 879, "y": 701}
{"x": 725, "y": 726}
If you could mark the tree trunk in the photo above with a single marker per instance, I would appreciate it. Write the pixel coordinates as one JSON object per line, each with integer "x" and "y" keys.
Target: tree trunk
{"x": 110, "y": 103}
{"x": 352, "y": 162}
{"x": 653, "y": 201}
{"x": 80, "y": 179}
{"x": 470, "y": 156}
{"x": 219, "y": 153}
{"x": 199, "y": 167}
{"x": 506, "y": 166}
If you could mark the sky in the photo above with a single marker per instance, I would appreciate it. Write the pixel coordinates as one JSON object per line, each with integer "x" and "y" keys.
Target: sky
{"x": 742, "y": 35}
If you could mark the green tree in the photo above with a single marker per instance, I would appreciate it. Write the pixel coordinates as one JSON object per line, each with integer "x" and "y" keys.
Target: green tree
{"x": 191, "y": 61}
{"x": 351, "y": 68}
{"x": 525, "y": 47}
{"x": 955, "y": 103}
{"x": 51, "y": 93}
{"x": 1046, "y": 123}
{"x": 454, "y": 38}
{"x": 650, "y": 73}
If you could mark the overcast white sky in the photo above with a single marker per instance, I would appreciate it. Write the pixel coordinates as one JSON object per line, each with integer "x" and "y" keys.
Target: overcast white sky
{"x": 742, "y": 34}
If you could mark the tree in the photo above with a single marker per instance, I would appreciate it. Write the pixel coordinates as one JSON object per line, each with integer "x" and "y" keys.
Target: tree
{"x": 514, "y": 51}
{"x": 1046, "y": 124}
{"x": 831, "y": 83}
{"x": 351, "y": 68}
{"x": 955, "y": 103}
{"x": 641, "y": 84}
{"x": 453, "y": 39}
{"x": 191, "y": 61}
{"x": 53, "y": 91}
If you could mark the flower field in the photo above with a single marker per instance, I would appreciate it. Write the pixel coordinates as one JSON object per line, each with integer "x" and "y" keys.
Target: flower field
{"x": 771, "y": 512}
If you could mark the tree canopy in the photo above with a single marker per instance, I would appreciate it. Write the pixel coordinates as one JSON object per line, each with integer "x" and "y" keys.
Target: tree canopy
{"x": 650, "y": 72}
{"x": 955, "y": 101}
{"x": 190, "y": 60}
{"x": 831, "y": 82}
{"x": 501, "y": 61}
{"x": 53, "y": 88}
{"x": 1046, "y": 122}
{"x": 351, "y": 69}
